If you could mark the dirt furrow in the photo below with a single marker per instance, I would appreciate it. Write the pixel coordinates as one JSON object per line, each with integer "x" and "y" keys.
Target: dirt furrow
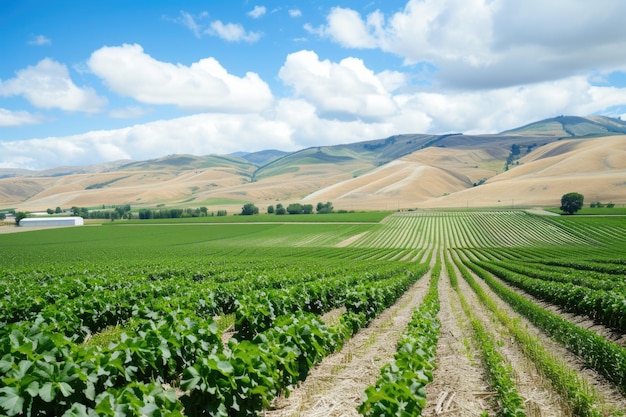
{"x": 611, "y": 396}
{"x": 459, "y": 386}
{"x": 540, "y": 400}
{"x": 336, "y": 386}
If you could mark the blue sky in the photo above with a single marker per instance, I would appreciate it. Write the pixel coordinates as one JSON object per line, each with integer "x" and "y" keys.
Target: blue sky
{"x": 91, "y": 82}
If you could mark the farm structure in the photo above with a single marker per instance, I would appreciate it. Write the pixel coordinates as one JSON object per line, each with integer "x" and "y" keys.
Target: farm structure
{"x": 52, "y": 221}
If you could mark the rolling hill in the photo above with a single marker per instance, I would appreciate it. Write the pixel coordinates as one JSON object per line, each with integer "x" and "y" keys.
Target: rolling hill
{"x": 529, "y": 166}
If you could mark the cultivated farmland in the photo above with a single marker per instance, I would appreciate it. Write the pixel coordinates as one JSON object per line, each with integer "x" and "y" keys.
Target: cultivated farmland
{"x": 429, "y": 312}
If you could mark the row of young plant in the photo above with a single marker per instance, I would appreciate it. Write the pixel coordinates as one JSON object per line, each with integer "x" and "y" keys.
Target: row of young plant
{"x": 600, "y": 354}
{"x": 457, "y": 229}
{"x": 85, "y": 304}
{"x": 146, "y": 355}
{"x": 46, "y": 373}
{"x": 369, "y": 293}
{"x": 607, "y": 307}
{"x": 501, "y": 375}
{"x": 584, "y": 278}
{"x": 400, "y": 389}
{"x": 565, "y": 380}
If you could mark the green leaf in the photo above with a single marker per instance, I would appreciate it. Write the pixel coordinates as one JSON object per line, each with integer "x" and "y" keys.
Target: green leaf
{"x": 6, "y": 363}
{"x": 47, "y": 392}
{"x": 11, "y": 401}
{"x": 33, "y": 389}
{"x": 225, "y": 367}
{"x": 66, "y": 389}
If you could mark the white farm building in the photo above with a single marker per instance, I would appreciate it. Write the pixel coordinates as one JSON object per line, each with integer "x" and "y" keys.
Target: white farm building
{"x": 51, "y": 221}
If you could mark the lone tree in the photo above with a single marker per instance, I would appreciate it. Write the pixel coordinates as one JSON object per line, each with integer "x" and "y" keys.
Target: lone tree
{"x": 571, "y": 203}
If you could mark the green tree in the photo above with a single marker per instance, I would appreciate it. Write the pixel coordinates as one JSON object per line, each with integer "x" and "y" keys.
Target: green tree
{"x": 323, "y": 208}
{"x": 270, "y": 209}
{"x": 280, "y": 210}
{"x": 58, "y": 210}
{"x": 307, "y": 208}
{"x": 249, "y": 209}
{"x": 571, "y": 203}
{"x": 3, "y": 216}
{"x": 294, "y": 208}
{"x": 19, "y": 216}
{"x": 50, "y": 211}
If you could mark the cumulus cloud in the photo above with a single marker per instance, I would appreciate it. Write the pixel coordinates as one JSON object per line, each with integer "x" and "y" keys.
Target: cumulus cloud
{"x": 347, "y": 88}
{"x": 232, "y": 32}
{"x": 17, "y": 118}
{"x": 490, "y": 43}
{"x": 295, "y": 12}
{"x": 204, "y": 85}
{"x": 346, "y": 27}
{"x": 39, "y": 40}
{"x": 257, "y": 12}
{"x": 48, "y": 85}
{"x": 296, "y": 123}
{"x": 198, "y": 134}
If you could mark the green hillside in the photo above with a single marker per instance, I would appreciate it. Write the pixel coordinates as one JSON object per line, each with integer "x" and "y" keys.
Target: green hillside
{"x": 190, "y": 162}
{"x": 572, "y": 127}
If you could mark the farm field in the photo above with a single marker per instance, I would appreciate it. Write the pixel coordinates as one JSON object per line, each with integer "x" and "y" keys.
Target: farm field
{"x": 428, "y": 312}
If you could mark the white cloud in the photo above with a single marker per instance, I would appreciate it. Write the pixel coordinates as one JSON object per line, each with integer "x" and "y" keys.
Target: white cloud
{"x": 199, "y": 134}
{"x": 345, "y": 27}
{"x": 17, "y": 118}
{"x": 39, "y": 40}
{"x": 48, "y": 85}
{"x": 232, "y": 32}
{"x": 295, "y": 12}
{"x": 295, "y": 123}
{"x": 491, "y": 43}
{"x": 344, "y": 89}
{"x": 205, "y": 85}
{"x": 257, "y": 12}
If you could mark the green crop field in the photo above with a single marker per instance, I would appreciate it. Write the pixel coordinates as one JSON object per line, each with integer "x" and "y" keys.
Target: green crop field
{"x": 225, "y": 317}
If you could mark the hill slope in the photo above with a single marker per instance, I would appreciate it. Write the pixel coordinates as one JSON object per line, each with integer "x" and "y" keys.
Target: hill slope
{"x": 532, "y": 165}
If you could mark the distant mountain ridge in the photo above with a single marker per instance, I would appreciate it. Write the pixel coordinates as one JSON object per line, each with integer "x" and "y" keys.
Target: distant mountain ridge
{"x": 407, "y": 168}
{"x": 573, "y": 126}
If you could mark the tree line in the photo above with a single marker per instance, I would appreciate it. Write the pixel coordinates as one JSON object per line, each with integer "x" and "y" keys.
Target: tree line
{"x": 293, "y": 208}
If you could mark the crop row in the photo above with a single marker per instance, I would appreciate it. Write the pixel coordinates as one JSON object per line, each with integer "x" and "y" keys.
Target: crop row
{"x": 604, "y": 306}
{"x": 470, "y": 229}
{"x": 606, "y": 357}
{"x": 46, "y": 373}
{"x": 500, "y": 373}
{"x": 564, "y": 379}
{"x": 565, "y": 274}
{"x": 83, "y": 303}
{"x": 400, "y": 390}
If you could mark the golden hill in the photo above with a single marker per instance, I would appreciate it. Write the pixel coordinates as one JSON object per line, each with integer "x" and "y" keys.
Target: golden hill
{"x": 545, "y": 160}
